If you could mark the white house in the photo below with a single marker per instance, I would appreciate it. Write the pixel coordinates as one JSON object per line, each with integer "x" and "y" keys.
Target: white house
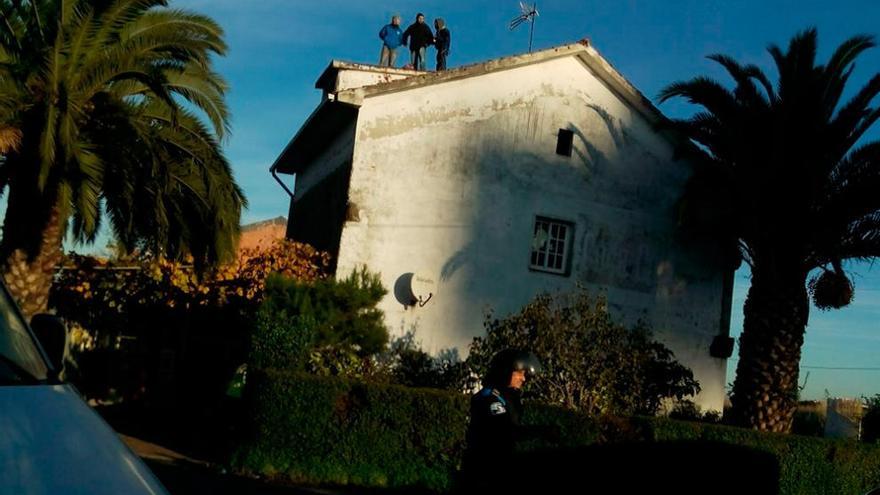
{"x": 499, "y": 180}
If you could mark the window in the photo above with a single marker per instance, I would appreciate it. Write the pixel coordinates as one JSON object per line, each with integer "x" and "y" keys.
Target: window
{"x": 564, "y": 142}
{"x": 551, "y": 246}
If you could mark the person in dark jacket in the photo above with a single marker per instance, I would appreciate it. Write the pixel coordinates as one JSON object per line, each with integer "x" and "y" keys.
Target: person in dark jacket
{"x": 496, "y": 419}
{"x": 442, "y": 40}
{"x": 392, "y": 37}
{"x": 420, "y": 37}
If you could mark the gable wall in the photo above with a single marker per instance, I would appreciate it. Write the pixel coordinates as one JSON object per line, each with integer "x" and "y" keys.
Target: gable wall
{"x": 447, "y": 180}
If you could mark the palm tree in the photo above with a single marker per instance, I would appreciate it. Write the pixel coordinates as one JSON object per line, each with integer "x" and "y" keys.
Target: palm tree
{"x": 108, "y": 98}
{"x": 784, "y": 182}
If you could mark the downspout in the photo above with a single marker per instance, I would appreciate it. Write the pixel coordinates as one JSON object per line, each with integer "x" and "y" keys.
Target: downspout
{"x": 281, "y": 182}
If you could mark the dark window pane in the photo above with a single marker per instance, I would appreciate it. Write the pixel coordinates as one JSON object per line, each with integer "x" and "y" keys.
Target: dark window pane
{"x": 564, "y": 141}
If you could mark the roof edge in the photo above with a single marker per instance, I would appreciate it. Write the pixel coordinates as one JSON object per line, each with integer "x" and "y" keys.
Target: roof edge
{"x": 619, "y": 84}
{"x": 326, "y": 77}
{"x": 356, "y": 95}
{"x": 317, "y": 118}
{"x": 583, "y": 50}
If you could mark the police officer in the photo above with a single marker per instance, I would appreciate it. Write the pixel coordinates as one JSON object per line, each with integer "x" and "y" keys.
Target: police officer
{"x": 496, "y": 419}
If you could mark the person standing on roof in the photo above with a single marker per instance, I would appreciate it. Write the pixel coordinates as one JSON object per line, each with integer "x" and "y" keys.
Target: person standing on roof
{"x": 392, "y": 37}
{"x": 420, "y": 37}
{"x": 442, "y": 40}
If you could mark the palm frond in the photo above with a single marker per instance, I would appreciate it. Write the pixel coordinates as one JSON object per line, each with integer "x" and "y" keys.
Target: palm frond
{"x": 745, "y": 77}
{"x": 702, "y": 91}
{"x": 848, "y": 51}
{"x": 109, "y": 98}
{"x": 205, "y": 90}
{"x": 804, "y": 191}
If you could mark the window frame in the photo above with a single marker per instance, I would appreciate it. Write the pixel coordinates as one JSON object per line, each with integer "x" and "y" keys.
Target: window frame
{"x": 567, "y": 244}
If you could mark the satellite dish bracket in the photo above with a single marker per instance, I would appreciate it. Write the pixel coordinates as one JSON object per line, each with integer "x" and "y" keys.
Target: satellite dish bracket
{"x": 422, "y": 303}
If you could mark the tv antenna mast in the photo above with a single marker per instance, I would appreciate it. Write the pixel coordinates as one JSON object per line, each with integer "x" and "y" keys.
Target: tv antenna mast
{"x": 528, "y": 13}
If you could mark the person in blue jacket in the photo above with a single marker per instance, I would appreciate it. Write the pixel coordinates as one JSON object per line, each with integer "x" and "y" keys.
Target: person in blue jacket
{"x": 392, "y": 37}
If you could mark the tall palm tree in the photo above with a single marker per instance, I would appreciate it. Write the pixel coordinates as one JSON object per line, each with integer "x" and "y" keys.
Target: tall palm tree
{"x": 784, "y": 180}
{"x": 108, "y": 98}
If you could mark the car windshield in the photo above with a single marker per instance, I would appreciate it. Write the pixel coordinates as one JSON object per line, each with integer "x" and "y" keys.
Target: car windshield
{"x": 21, "y": 362}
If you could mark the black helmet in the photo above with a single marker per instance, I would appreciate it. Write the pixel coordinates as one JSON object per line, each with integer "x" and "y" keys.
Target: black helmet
{"x": 506, "y": 362}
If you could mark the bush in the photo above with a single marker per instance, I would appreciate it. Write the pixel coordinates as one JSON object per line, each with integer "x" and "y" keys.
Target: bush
{"x": 808, "y": 424}
{"x": 154, "y": 327}
{"x": 590, "y": 363}
{"x": 328, "y": 430}
{"x": 687, "y": 410}
{"x": 280, "y": 340}
{"x": 98, "y": 293}
{"x": 344, "y": 311}
{"x": 408, "y": 365}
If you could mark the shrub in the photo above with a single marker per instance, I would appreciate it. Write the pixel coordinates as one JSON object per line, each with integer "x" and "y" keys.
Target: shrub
{"x": 590, "y": 362}
{"x": 688, "y": 410}
{"x": 129, "y": 311}
{"x": 808, "y": 423}
{"x": 344, "y": 311}
{"x": 329, "y": 430}
{"x": 280, "y": 340}
{"x": 97, "y": 292}
{"x": 408, "y": 365}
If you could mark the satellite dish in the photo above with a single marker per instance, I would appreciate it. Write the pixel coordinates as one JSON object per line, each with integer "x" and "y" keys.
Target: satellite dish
{"x": 423, "y": 286}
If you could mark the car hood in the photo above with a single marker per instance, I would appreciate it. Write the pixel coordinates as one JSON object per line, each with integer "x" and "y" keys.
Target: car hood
{"x": 51, "y": 442}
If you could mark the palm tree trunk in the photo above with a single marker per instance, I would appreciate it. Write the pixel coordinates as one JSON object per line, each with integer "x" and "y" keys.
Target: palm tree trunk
{"x": 765, "y": 391}
{"x": 29, "y": 273}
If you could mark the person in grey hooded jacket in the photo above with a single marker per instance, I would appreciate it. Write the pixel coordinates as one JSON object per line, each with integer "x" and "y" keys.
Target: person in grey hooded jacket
{"x": 442, "y": 41}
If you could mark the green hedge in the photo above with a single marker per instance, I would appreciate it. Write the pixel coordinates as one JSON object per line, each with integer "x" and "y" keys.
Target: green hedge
{"x": 322, "y": 430}
{"x": 327, "y": 430}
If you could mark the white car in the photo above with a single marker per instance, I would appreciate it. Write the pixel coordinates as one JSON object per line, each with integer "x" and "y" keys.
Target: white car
{"x": 51, "y": 442}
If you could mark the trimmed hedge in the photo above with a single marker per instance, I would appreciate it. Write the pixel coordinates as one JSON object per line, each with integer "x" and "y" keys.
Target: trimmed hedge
{"x": 324, "y": 430}
{"x": 328, "y": 430}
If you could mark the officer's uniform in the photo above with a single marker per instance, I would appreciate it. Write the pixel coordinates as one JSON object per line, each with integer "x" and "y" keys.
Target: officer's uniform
{"x": 495, "y": 426}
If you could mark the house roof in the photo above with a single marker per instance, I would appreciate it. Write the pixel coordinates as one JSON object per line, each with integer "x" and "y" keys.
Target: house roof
{"x": 329, "y": 119}
{"x": 339, "y": 107}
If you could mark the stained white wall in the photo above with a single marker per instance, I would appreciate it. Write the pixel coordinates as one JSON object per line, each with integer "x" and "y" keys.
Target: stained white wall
{"x": 447, "y": 180}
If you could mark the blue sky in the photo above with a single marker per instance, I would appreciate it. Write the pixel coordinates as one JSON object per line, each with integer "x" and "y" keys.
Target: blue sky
{"x": 279, "y": 47}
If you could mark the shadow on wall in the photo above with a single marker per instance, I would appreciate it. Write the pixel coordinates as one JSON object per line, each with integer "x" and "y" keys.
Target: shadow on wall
{"x": 665, "y": 467}
{"x": 594, "y": 155}
{"x": 520, "y": 178}
{"x": 499, "y": 168}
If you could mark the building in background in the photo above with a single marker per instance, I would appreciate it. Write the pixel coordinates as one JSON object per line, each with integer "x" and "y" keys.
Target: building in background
{"x": 479, "y": 187}
{"x": 262, "y": 234}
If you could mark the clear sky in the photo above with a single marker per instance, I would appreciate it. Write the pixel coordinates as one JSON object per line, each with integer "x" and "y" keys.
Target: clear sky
{"x": 279, "y": 47}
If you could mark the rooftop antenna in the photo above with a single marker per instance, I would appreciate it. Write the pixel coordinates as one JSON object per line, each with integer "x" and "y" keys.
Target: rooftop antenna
{"x": 528, "y": 14}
